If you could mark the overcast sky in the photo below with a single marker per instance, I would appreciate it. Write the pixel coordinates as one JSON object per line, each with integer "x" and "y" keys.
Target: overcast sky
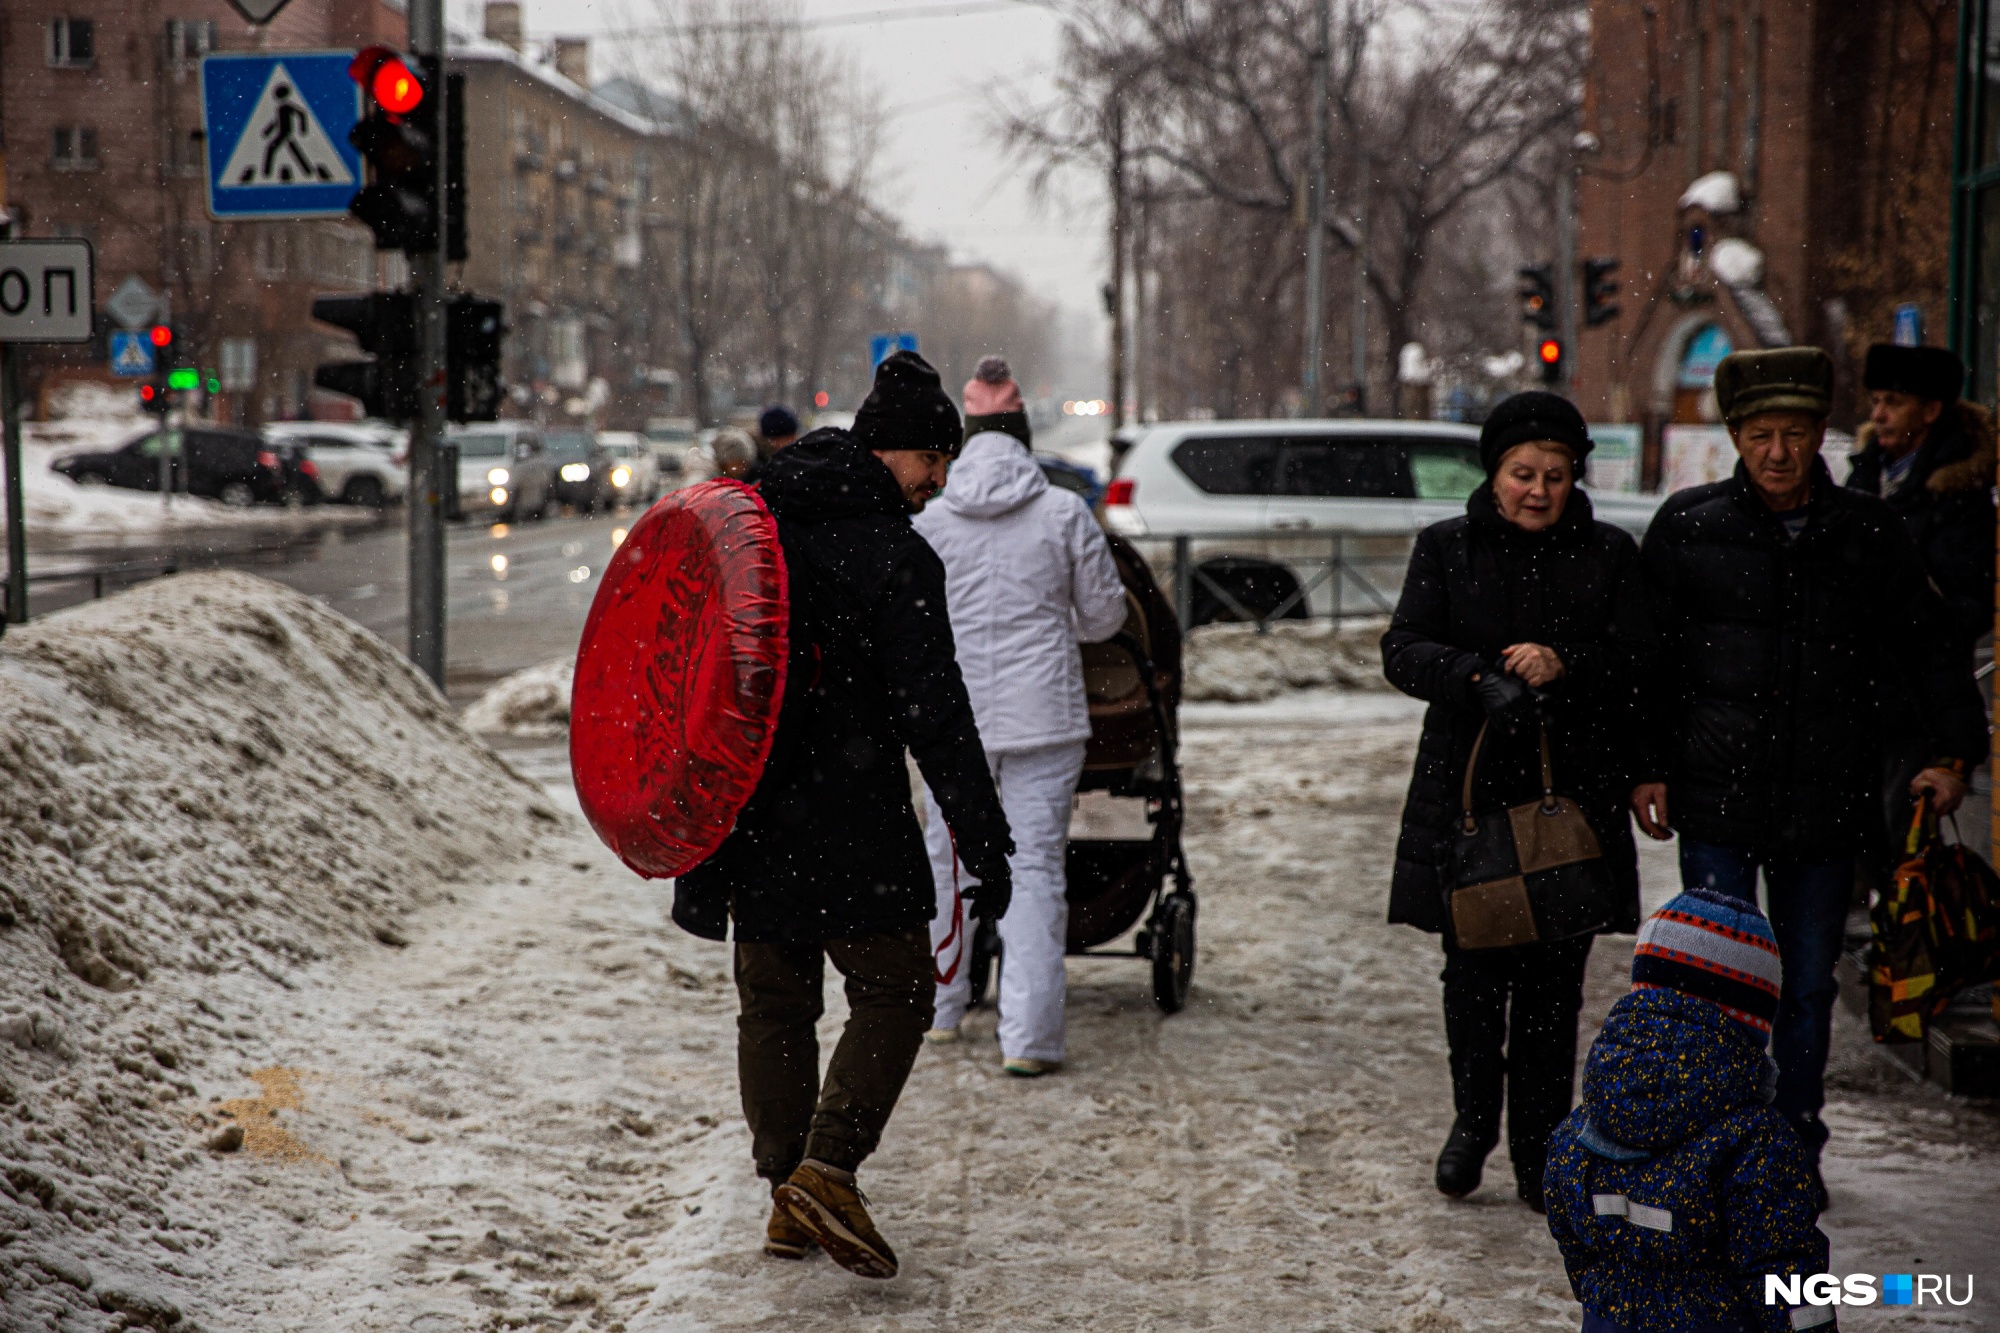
{"x": 943, "y": 173}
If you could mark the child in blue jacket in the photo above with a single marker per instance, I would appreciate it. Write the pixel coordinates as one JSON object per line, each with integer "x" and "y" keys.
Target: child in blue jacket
{"x": 1675, "y": 1187}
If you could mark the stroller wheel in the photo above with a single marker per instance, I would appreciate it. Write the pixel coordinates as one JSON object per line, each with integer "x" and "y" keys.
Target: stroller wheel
{"x": 985, "y": 954}
{"x": 1172, "y": 937}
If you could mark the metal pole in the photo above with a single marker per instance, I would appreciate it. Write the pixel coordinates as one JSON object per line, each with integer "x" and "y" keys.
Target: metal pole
{"x": 426, "y": 483}
{"x": 1115, "y": 294}
{"x": 10, "y": 441}
{"x": 1312, "y": 394}
{"x": 1183, "y": 579}
{"x": 1566, "y": 266}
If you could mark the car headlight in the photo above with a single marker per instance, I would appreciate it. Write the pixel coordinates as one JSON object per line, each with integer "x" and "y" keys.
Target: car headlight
{"x": 499, "y": 495}
{"x": 576, "y": 472}
{"x": 497, "y": 477}
{"x": 621, "y": 476}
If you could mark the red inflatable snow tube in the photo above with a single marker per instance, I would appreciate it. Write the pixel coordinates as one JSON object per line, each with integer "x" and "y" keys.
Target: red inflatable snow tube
{"x": 679, "y": 677}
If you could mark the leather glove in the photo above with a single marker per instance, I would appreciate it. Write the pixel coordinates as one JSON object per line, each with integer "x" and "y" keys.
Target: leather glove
{"x": 1508, "y": 700}
{"x": 988, "y": 899}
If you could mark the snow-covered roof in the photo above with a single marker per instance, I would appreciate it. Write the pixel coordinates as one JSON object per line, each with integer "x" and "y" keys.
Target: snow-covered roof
{"x": 1718, "y": 192}
{"x": 464, "y": 46}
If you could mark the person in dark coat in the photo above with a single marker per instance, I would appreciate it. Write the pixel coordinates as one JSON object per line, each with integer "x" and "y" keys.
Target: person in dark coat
{"x": 1786, "y": 606}
{"x": 827, "y": 859}
{"x": 1525, "y": 604}
{"x": 1675, "y": 1189}
{"x": 1930, "y": 456}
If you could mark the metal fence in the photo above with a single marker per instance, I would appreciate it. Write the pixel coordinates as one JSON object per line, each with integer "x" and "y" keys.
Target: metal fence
{"x": 1338, "y": 575}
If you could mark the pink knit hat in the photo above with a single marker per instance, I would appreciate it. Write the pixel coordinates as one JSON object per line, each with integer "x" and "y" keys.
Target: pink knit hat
{"x": 992, "y": 390}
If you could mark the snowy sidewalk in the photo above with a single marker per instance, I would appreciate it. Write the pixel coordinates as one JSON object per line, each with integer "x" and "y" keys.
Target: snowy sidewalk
{"x": 527, "y": 1117}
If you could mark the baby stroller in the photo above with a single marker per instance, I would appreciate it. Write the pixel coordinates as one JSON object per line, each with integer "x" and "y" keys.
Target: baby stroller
{"x": 1133, "y": 682}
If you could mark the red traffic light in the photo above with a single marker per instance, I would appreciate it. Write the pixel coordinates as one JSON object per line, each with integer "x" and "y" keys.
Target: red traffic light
{"x": 388, "y": 80}
{"x": 146, "y": 392}
{"x": 1550, "y": 351}
{"x": 161, "y": 335}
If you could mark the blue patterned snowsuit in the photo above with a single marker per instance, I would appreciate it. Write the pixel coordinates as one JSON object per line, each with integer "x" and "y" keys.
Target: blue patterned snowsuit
{"x": 1675, "y": 1187}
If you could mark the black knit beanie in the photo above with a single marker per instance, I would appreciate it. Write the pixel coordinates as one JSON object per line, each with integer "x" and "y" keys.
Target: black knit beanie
{"x": 908, "y": 408}
{"x": 1535, "y": 415}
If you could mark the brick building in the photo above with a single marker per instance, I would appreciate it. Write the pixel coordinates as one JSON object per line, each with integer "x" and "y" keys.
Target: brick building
{"x": 100, "y": 120}
{"x": 1765, "y": 173}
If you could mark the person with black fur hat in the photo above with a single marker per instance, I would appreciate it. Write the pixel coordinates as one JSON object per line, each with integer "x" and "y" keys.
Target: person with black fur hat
{"x": 1930, "y": 454}
{"x": 1525, "y": 608}
{"x": 827, "y": 860}
{"x": 1788, "y": 608}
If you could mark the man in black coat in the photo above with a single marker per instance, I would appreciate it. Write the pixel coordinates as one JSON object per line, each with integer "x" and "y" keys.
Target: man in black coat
{"x": 1785, "y": 606}
{"x": 827, "y": 859}
{"x": 1930, "y": 456}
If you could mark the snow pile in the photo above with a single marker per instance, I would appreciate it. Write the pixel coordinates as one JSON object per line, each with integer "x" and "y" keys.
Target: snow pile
{"x": 1718, "y": 193}
{"x": 1236, "y": 664}
{"x": 205, "y": 783}
{"x": 1736, "y": 262}
{"x": 534, "y": 702}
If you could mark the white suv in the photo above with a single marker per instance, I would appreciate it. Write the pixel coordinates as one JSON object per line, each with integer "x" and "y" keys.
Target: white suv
{"x": 360, "y": 462}
{"x": 1347, "y": 475}
{"x": 1285, "y": 497}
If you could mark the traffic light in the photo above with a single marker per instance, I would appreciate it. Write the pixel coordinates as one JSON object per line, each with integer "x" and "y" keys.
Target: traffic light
{"x": 1538, "y": 296}
{"x": 155, "y": 394}
{"x": 398, "y": 139}
{"x": 473, "y": 330}
{"x": 1600, "y": 291}
{"x": 385, "y": 323}
{"x": 1550, "y": 353}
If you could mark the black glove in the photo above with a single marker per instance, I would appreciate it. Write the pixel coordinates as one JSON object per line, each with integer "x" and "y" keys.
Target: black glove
{"x": 1508, "y": 700}
{"x": 988, "y": 899}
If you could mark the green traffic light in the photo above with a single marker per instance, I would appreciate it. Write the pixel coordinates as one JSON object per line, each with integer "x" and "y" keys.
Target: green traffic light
{"x": 215, "y": 386}
{"x": 184, "y": 379}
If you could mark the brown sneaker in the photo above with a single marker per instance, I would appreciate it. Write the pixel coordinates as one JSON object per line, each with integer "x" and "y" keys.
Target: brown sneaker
{"x": 835, "y": 1215}
{"x": 784, "y": 1238}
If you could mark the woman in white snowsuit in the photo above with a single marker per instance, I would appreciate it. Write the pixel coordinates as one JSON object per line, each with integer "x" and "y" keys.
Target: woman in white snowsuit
{"x": 1028, "y": 576}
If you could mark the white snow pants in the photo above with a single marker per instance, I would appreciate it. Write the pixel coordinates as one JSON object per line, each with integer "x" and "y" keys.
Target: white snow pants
{"x": 1036, "y": 788}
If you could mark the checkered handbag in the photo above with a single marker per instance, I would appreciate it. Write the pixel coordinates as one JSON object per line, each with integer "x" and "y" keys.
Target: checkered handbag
{"x": 1528, "y": 872}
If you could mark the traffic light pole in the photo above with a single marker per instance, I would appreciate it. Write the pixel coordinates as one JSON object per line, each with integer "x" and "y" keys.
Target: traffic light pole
{"x": 427, "y": 484}
{"x": 1566, "y": 267}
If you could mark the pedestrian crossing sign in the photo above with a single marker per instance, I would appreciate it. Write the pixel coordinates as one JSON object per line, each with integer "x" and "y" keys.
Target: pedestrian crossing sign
{"x": 131, "y": 354}
{"x": 276, "y": 126}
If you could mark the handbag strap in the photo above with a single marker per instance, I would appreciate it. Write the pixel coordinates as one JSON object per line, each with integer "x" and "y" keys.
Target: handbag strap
{"x": 1472, "y": 767}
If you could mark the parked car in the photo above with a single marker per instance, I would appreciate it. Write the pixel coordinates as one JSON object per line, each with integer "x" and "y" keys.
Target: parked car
{"x": 360, "y": 463}
{"x": 1073, "y": 477}
{"x": 583, "y": 468}
{"x": 237, "y": 467}
{"x": 1261, "y": 486}
{"x": 635, "y": 468}
{"x": 504, "y": 472}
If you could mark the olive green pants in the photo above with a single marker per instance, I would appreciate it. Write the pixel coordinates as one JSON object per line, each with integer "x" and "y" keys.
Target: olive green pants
{"x": 793, "y": 1114}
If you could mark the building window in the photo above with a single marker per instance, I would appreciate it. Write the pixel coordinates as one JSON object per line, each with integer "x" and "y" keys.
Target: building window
{"x": 71, "y": 44}
{"x": 73, "y": 148}
{"x": 274, "y": 252}
{"x": 189, "y": 40}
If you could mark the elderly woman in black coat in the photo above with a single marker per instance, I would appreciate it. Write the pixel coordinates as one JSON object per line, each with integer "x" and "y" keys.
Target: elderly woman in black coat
{"x": 1524, "y": 609}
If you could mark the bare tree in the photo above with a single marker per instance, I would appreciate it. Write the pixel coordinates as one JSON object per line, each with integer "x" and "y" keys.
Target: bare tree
{"x": 1434, "y": 108}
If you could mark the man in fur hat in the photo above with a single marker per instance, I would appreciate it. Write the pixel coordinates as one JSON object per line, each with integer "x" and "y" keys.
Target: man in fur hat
{"x": 1930, "y": 454}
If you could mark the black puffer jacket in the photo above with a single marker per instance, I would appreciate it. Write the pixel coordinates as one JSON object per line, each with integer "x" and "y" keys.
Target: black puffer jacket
{"x": 829, "y": 846}
{"x": 1946, "y": 503}
{"x": 1775, "y": 658}
{"x": 1477, "y": 585}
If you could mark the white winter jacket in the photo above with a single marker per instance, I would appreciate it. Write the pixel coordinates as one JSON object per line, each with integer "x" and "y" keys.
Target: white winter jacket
{"x": 1028, "y": 575}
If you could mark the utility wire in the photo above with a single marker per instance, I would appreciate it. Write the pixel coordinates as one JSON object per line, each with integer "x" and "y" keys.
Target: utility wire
{"x": 938, "y": 11}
